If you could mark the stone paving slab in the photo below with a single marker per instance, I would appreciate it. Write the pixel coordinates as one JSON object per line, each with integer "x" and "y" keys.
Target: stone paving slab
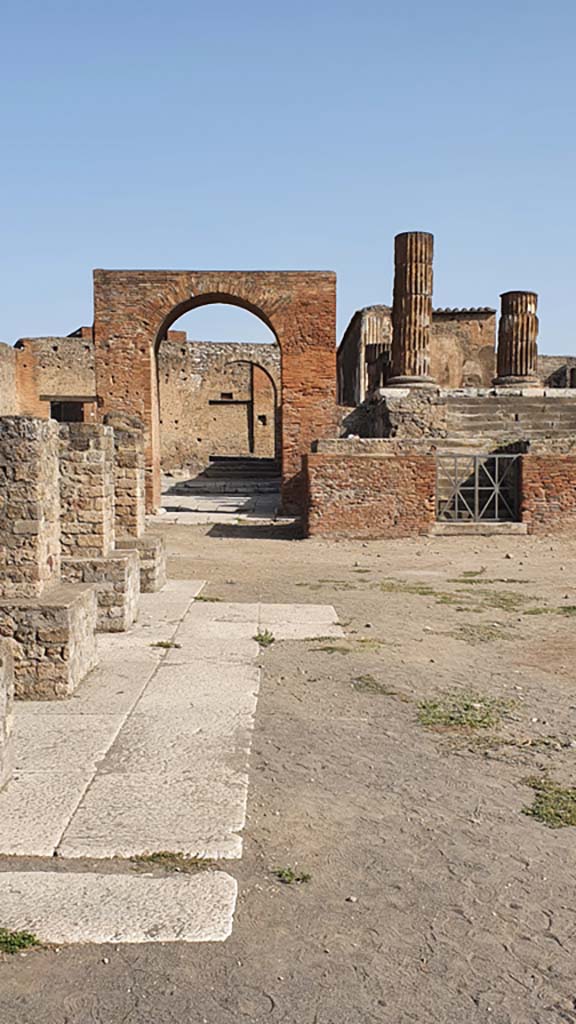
{"x": 61, "y": 908}
{"x": 36, "y": 807}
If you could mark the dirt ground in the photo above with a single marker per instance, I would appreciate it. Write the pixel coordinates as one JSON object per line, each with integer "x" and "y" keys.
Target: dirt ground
{"x": 432, "y": 897}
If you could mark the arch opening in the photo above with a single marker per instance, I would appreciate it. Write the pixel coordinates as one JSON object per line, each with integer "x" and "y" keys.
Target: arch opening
{"x": 218, "y": 381}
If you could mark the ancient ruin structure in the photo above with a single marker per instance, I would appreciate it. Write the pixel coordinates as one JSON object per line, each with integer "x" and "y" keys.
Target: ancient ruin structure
{"x": 423, "y": 439}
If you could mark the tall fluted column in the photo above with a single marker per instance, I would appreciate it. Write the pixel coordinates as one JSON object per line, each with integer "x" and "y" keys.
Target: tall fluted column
{"x": 412, "y": 308}
{"x": 517, "y": 339}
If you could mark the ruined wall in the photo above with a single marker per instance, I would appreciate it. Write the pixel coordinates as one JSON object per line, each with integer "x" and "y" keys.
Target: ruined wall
{"x": 9, "y": 400}
{"x": 548, "y": 493}
{"x": 198, "y": 418}
{"x": 463, "y": 347}
{"x": 363, "y": 492}
{"x": 462, "y": 350}
{"x": 64, "y": 367}
{"x": 557, "y": 371}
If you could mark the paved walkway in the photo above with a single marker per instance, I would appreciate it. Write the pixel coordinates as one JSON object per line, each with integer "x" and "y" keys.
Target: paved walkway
{"x": 150, "y": 755}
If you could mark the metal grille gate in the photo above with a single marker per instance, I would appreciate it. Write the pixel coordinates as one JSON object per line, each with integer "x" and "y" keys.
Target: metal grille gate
{"x": 477, "y": 488}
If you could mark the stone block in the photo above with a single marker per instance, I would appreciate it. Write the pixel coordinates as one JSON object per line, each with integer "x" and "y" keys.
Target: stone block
{"x": 6, "y": 714}
{"x": 116, "y": 580}
{"x": 152, "y": 552}
{"x": 53, "y": 640}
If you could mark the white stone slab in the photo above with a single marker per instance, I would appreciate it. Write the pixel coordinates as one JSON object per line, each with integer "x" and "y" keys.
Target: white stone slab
{"x": 301, "y": 630}
{"x": 195, "y": 684}
{"x": 36, "y": 807}
{"x": 56, "y": 742}
{"x": 223, "y": 611}
{"x": 217, "y": 630}
{"x": 226, "y": 652}
{"x": 62, "y": 908}
{"x": 298, "y": 613}
{"x": 126, "y": 815}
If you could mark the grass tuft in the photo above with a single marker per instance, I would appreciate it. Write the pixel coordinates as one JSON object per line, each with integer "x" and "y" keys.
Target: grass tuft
{"x": 288, "y": 876}
{"x": 264, "y": 637}
{"x": 462, "y": 710}
{"x": 166, "y": 645}
{"x": 554, "y": 805}
{"x": 15, "y": 942}
{"x": 172, "y": 861}
{"x": 368, "y": 684}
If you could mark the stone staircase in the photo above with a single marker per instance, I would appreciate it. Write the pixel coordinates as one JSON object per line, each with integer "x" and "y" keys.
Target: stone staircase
{"x": 233, "y": 475}
{"x": 476, "y": 423}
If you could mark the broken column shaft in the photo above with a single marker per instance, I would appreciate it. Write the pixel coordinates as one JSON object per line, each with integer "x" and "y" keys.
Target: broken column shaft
{"x": 412, "y": 308}
{"x": 517, "y": 339}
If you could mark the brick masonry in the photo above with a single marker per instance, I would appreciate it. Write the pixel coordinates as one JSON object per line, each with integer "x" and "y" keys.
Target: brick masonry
{"x": 372, "y": 496}
{"x": 548, "y": 493}
{"x": 134, "y": 309}
{"x": 6, "y": 714}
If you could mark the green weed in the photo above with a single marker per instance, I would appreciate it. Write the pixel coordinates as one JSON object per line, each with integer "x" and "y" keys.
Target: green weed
{"x": 462, "y": 710}
{"x": 15, "y": 942}
{"x": 554, "y": 805}
{"x": 288, "y": 876}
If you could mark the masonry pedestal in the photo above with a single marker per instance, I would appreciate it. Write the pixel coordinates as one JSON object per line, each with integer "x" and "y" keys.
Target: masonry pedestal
{"x": 51, "y": 625}
{"x": 152, "y": 552}
{"x": 130, "y": 501}
{"x": 55, "y": 640}
{"x": 89, "y": 554}
{"x": 116, "y": 580}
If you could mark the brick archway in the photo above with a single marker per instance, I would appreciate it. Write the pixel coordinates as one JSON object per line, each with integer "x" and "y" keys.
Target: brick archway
{"x": 133, "y": 309}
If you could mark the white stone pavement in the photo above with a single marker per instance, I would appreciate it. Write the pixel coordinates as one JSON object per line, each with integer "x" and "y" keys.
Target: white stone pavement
{"x": 151, "y": 754}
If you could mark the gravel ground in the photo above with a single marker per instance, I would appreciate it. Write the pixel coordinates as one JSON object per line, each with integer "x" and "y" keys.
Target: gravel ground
{"x": 431, "y": 896}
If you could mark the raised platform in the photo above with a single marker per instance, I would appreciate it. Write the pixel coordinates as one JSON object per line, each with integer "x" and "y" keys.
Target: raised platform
{"x": 54, "y": 643}
{"x": 116, "y": 579}
{"x": 152, "y": 552}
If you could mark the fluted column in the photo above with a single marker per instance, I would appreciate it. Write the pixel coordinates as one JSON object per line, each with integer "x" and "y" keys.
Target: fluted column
{"x": 517, "y": 339}
{"x": 412, "y": 308}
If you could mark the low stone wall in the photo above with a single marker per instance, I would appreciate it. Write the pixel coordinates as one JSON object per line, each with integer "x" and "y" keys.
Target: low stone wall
{"x": 370, "y": 495}
{"x": 548, "y": 489}
{"x": 6, "y": 714}
{"x": 55, "y": 645}
{"x": 116, "y": 579}
{"x": 152, "y": 552}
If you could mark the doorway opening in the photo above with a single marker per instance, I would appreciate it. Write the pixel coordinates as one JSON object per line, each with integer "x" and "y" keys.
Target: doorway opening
{"x": 219, "y": 386}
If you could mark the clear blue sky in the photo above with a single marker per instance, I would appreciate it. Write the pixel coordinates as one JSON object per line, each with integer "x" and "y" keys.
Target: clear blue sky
{"x": 287, "y": 136}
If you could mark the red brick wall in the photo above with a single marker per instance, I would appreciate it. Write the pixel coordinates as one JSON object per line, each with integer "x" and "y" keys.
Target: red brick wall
{"x": 370, "y": 496}
{"x": 548, "y": 490}
{"x": 134, "y": 309}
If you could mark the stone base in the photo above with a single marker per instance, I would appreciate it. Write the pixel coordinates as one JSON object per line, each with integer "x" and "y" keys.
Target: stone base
{"x": 6, "y": 714}
{"x": 116, "y": 580}
{"x": 54, "y": 643}
{"x": 486, "y": 529}
{"x": 152, "y": 551}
